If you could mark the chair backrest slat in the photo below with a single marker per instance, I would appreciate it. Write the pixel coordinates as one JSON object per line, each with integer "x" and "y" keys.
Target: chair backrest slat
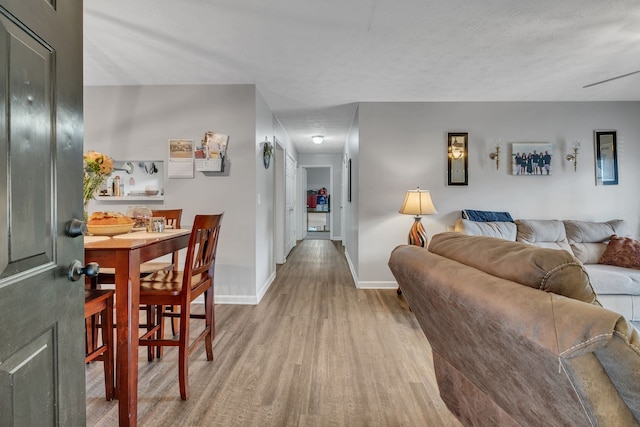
{"x": 173, "y": 217}
{"x": 202, "y": 248}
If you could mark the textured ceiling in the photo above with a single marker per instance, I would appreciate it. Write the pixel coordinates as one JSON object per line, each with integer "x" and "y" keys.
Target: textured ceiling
{"x": 312, "y": 60}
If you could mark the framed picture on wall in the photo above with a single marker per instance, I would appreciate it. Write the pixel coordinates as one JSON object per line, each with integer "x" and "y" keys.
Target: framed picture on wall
{"x": 457, "y": 158}
{"x": 531, "y": 158}
{"x": 606, "y": 145}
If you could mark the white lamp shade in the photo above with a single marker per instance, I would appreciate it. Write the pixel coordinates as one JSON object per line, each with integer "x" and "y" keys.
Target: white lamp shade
{"x": 418, "y": 202}
{"x": 317, "y": 139}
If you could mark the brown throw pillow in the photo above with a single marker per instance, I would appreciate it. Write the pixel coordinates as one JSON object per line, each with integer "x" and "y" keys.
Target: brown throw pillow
{"x": 622, "y": 252}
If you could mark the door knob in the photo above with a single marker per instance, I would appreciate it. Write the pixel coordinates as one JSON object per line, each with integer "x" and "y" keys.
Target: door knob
{"x": 75, "y": 228}
{"x": 76, "y": 270}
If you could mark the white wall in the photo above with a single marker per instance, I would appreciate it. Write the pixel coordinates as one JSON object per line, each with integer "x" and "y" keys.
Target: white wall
{"x": 264, "y": 202}
{"x": 135, "y": 122}
{"x": 318, "y": 177}
{"x": 351, "y": 236}
{"x": 404, "y": 145}
{"x": 392, "y": 146}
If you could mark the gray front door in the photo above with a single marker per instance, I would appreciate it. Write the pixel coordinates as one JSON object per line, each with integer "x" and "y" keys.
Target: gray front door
{"x": 41, "y": 310}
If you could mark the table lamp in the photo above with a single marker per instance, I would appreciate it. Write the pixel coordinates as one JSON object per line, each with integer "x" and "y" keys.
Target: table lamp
{"x": 418, "y": 202}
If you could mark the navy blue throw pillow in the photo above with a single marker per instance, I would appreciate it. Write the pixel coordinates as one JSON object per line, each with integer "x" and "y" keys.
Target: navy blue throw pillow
{"x": 486, "y": 216}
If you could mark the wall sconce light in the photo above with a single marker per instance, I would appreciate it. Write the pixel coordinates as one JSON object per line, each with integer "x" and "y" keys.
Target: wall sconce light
{"x": 317, "y": 139}
{"x": 574, "y": 157}
{"x": 496, "y": 155}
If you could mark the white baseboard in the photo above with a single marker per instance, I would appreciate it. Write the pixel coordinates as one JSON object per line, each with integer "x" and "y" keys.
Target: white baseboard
{"x": 351, "y": 269}
{"x": 246, "y": 299}
{"x": 377, "y": 285}
{"x": 236, "y": 299}
{"x": 266, "y": 286}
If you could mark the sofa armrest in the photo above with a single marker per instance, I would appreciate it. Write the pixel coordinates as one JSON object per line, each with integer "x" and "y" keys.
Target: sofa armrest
{"x": 535, "y": 354}
{"x": 563, "y": 326}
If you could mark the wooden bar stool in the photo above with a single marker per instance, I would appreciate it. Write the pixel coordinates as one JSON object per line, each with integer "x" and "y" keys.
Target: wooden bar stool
{"x": 100, "y": 302}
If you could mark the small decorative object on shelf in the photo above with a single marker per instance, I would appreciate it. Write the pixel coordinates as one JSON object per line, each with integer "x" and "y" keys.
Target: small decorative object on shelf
{"x": 97, "y": 168}
{"x": 140, "y": 214}
{"x": 267, "y": 152}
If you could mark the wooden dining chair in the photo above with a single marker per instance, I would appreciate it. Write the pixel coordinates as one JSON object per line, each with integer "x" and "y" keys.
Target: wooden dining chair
{"x": 172, "y": 217}
{"x": 181, "y": 288}
{"x": 99, "y": 302}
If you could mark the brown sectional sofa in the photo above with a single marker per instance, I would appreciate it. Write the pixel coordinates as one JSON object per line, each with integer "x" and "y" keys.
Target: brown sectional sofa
{"x": 518, "y": 336}
{"x": 618, "y": 288}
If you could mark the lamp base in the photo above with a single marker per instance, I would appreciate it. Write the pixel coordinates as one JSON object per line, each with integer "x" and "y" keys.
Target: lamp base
{"x": 417, "y": 235}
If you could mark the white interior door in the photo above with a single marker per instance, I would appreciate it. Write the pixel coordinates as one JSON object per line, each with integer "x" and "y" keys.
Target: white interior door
{"x": 290, "y": 204}
{"x": 301, "y": 214}
{"x": 279, "y": 213}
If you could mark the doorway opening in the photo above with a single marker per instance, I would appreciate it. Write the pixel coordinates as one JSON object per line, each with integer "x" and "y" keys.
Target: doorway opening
{"x": 319, "y": 204}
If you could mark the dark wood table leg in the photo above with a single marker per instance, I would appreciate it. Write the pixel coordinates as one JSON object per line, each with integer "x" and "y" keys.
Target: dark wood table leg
{"x": 127, "y": 318}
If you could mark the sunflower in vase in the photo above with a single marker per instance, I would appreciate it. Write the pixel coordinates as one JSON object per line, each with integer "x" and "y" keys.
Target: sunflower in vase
{"x": 97, "y": 167}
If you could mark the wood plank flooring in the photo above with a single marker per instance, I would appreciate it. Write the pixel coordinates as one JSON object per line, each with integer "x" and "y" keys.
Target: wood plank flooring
{"x": 316, "y": 351}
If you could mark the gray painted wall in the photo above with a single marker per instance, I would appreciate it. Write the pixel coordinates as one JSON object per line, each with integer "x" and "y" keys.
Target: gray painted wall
{"x": 318, "y": 177}
{"x": 135, "y": 122}
{"x": 404, "y": 145}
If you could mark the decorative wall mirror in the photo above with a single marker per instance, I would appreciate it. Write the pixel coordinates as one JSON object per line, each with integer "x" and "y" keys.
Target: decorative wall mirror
{"x": 606, "y": 157}
{"x": 457, "y": 159}
{"x": 267, "y": 152}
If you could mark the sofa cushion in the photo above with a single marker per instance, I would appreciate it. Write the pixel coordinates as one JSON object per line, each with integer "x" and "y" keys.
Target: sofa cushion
{"x": 501, "y": 230}
{"x": 545, "y": 233}
{"x": 610, "y": 279}
{"x": 622, "y": 252}
{"x": 546, "y": 269}
{"x": 589, "y": 239}
{"x": 486, "y": 216}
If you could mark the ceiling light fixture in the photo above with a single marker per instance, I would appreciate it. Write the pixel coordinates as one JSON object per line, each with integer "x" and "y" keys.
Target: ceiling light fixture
{"x": 317, "y": 139}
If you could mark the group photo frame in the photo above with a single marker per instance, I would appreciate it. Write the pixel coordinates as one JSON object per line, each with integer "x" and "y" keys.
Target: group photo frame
{"x": 531, "y": 158}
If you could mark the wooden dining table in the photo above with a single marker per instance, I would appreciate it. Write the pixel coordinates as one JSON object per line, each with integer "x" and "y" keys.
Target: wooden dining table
{"x": 125, "y": 253}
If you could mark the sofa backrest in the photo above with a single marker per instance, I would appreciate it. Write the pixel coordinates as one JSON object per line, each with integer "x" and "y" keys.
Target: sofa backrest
{"x": 589, "y": 239}
{"x": 500, "y": 229}
{"x": 545, "y": 233}
{"x": 550, "y": 270}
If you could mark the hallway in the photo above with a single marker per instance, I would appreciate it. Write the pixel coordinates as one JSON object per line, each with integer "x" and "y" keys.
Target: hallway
{"x": 318, "y": 235}
{"x": 315, "y": 352}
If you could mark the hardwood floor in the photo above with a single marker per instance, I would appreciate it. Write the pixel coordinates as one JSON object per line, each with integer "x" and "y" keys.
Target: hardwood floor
{"x": 316, "y": 351}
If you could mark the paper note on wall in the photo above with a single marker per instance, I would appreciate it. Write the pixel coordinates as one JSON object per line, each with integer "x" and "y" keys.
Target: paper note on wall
{"x": 180, "y": 163}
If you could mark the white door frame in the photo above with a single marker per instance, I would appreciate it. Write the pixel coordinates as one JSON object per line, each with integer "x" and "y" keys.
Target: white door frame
{"x": 333, "y": 205}
{"x": 278, "y": 202}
